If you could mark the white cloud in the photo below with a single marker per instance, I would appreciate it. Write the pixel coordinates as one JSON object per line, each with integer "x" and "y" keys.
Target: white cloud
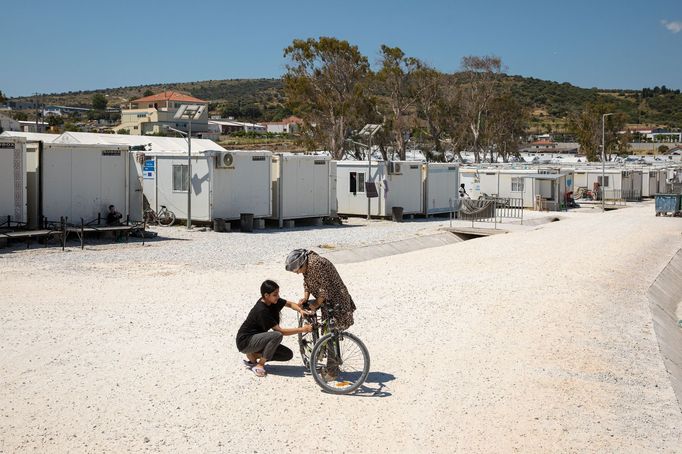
{"x": 675, "y": 26}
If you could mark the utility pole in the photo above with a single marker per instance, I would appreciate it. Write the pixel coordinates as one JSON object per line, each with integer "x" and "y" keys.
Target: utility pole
{"x": 36, "y": 104}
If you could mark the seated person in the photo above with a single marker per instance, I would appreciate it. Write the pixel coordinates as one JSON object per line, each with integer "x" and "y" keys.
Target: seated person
{"x": 254, "y": 337}
{"x": 113, "y": 216}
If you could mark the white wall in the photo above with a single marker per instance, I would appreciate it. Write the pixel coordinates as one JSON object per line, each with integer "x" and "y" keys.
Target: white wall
{"x": 176, "y": 201}
{"x": 81, "y": 181}
{"x": 244, "y": 187}
{"x": 305, "y": 182}
{"x": 13, "y": 179}
{"x": 355, "y": 203}
{"x": 441, "y": 193}
{"x": 404, "y": 189}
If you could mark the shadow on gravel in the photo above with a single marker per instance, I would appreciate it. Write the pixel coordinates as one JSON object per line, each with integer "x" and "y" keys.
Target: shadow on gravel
{"x": 374, "y": 385}
{"x": 271, "y": 230}
{"x": 286, "y": 371}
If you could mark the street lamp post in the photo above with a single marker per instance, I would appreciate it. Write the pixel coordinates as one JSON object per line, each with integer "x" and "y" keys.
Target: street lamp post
{"x": 369, "y": 130}
{"x": 189, "y": 112}
{"x": 603, "y": 160}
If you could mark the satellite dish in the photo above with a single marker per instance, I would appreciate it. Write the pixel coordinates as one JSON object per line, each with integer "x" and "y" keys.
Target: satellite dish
{"x": 227, "y": 159}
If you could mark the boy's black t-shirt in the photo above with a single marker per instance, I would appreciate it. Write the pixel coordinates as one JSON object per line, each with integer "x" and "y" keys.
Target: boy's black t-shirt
{"x": 261, "y": 318}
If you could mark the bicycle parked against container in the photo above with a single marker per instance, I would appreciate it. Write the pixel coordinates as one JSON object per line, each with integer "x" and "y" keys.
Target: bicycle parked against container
{"x": 164, "y": 217}
{"x": 337, "y": 360}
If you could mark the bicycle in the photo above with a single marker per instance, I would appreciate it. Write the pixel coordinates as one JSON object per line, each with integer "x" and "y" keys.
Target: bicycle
{"x": 164, "y": 217}
{"x": 337, "y": 360}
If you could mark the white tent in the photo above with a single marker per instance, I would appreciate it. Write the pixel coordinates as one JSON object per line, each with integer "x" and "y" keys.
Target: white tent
{"x": 153, "y": 143}
{"x": 32, "y": 136}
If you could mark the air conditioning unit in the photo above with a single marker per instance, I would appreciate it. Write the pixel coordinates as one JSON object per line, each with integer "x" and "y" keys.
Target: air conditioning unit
{"x": 224, "y": 161}
{"x": 393, "y": 168}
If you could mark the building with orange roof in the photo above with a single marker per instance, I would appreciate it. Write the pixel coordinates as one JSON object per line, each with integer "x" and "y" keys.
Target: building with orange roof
{"x": 152, "y": 114}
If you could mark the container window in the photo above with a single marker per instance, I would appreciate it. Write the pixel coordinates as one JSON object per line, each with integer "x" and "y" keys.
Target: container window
{"x": 180, "y": 177}
{"x": 353, "y": 182}
{"x": 605, "y": 184}
{"x": 361, "y": 182}
{"x": 517, "y": 184}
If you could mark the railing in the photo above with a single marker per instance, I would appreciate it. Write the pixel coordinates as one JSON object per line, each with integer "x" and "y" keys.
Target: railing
{"x": 490, "y": 209}
{"x": 621, "y": 196}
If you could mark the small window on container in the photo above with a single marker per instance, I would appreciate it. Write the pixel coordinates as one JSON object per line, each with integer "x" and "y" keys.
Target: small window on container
{"x": 180, "y": 178}
{"x": 361, "y": 182}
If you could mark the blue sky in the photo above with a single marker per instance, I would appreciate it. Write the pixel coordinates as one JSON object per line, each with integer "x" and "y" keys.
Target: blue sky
{"x": 68, "y": 45}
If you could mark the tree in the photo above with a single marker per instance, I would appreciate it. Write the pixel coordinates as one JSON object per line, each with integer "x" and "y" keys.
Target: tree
{"x": 325, "y": 83}
{"x": 395, "y": 81}
{"x": 480, "y": 79}
{"x": 587, "y": 126}
{"x": 99, "y": 101}
{"x": 441, "y": 128}
{"x": 147, "y": 92}
{"x": 506, "y": 126}
{"x": 3, "y": 98}
{"x": 55, "y": 120}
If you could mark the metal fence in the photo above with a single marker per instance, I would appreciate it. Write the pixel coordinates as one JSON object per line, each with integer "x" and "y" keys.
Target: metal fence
{"x": 621, "y": 196}
{"x": 490, "y": 209}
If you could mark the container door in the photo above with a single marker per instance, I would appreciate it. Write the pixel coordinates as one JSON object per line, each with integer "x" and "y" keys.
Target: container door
{"x": 136, "y": 191}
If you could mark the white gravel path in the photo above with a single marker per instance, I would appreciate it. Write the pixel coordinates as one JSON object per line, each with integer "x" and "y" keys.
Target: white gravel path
{"x": 536, "y": 341}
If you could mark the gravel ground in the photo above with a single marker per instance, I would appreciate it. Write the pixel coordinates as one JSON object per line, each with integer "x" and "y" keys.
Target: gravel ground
{"x": 536, "y": 341}
{"x": 202, "y": 248}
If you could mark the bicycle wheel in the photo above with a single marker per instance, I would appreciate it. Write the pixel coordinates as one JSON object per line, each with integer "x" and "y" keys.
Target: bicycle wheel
{"x": 339, "y": 363}
{"x": 166, "y": 218}
{"x": 306, "y": 341}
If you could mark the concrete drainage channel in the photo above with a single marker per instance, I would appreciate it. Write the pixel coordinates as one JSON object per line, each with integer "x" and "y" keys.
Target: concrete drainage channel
{"x": 665, "y": 302}
{"x": 374, "y": 251}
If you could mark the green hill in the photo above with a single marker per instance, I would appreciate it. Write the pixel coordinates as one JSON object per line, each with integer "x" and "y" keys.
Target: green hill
{"x": 264, "y": 99}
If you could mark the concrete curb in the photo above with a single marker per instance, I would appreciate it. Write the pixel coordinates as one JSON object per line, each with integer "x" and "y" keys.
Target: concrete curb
{"x": 665, "y": 296}
{"x": 374, "y": 251}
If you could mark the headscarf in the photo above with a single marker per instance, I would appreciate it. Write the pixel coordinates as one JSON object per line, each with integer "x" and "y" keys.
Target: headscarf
{"x": 296, "y": 259}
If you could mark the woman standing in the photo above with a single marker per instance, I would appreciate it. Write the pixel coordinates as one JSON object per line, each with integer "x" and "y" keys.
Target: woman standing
{"x": 321, "y": 280}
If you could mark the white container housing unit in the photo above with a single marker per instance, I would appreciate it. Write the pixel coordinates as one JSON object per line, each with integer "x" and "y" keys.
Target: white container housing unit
{"x": 81, "y": 181}
{"x": 398, "y": 183}
{"x": 651, "y": 179}
{"x": 540, "y": 187}
{"x": 441, "y": 187}
{"x": 225, "y": 184}
{"x": 301, "y": 187}
{"x": 13, "y": 184}
{"x": 626, "y": 182}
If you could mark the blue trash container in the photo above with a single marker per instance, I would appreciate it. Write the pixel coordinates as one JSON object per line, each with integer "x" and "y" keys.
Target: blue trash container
{"x": 667, "y": 203}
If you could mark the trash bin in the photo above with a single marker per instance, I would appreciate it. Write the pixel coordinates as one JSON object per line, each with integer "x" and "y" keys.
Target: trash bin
{"x": 667, "y": 203}
{"x": 246, "y": 222}
{"x": 397, "y": 214}
{"x": 219, "y": 225}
